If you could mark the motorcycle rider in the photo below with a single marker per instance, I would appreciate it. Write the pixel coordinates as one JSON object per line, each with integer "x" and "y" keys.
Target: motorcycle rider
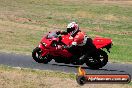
{"x": 72, "y": 29}
{"x": 80, "y": 39}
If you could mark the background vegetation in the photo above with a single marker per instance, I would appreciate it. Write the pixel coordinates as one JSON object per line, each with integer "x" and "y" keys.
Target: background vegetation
{"x": 24, "y": 22}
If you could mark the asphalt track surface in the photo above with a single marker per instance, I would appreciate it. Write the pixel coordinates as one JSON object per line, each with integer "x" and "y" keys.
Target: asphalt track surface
{"x": 26, "y": 61}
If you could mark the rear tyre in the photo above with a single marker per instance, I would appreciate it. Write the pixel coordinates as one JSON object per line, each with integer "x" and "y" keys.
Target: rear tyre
{"x": 103, "y": 57}
{"x": 36, "y": 54}
{"x": 95, "y": 63}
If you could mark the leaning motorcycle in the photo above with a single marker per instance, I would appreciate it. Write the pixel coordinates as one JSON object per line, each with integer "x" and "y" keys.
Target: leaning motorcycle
{"x": 46, "y": 51}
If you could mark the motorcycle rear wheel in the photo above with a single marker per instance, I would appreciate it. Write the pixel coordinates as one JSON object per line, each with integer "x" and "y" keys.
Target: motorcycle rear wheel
{"x": 36, "y": 54}
{"x": 102, "y": 61}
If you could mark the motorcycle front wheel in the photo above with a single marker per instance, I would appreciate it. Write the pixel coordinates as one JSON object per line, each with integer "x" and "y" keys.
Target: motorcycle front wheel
{"x": 98, "y": 63}
{"x": 36, "y": 54}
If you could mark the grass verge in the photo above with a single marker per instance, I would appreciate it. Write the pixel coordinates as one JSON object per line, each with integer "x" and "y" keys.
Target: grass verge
{"x": 28, "y": 78}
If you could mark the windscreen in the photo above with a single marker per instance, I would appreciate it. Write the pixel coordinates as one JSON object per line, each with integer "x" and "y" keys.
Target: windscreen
{"x": 52, "y": 35}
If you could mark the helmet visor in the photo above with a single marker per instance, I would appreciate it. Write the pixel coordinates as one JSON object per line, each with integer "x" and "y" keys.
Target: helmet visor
{"x": 69, "y": 30}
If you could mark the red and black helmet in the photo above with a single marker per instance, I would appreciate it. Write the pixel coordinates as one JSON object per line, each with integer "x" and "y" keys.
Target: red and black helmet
{"x": 72, "y": 26}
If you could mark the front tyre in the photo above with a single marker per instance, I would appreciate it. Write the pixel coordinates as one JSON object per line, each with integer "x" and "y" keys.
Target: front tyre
{"x": 36, "y": 54}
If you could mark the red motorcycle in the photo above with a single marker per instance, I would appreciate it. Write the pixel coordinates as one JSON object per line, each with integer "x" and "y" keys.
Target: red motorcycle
{"x": 47, "y": 50}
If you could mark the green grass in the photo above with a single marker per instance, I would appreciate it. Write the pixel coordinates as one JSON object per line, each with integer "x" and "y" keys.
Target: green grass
{"x": 23, "y": 23}
{"x": 38, "y": 72}
{"x": 29, "y": 78}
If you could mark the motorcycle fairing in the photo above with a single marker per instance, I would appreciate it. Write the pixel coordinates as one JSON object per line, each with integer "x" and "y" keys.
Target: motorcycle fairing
{"x": 66, "y": 39}
{"x": 100, "y": 42}
{"x": 46, "y": 47}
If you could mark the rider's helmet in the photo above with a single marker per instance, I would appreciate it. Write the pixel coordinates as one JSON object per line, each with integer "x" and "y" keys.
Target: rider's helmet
{"x": 72, "y": 26}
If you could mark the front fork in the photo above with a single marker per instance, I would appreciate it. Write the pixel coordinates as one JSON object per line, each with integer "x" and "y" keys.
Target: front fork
{"x": 44, "y": 51}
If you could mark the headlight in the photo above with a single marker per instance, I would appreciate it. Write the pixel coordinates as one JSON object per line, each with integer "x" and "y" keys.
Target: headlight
{"x": 44, "y": 44}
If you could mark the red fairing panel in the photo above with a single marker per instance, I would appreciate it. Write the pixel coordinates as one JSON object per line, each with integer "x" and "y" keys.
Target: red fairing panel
{"x": 101, "y": 42}
{"x": 66, "y": 40}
